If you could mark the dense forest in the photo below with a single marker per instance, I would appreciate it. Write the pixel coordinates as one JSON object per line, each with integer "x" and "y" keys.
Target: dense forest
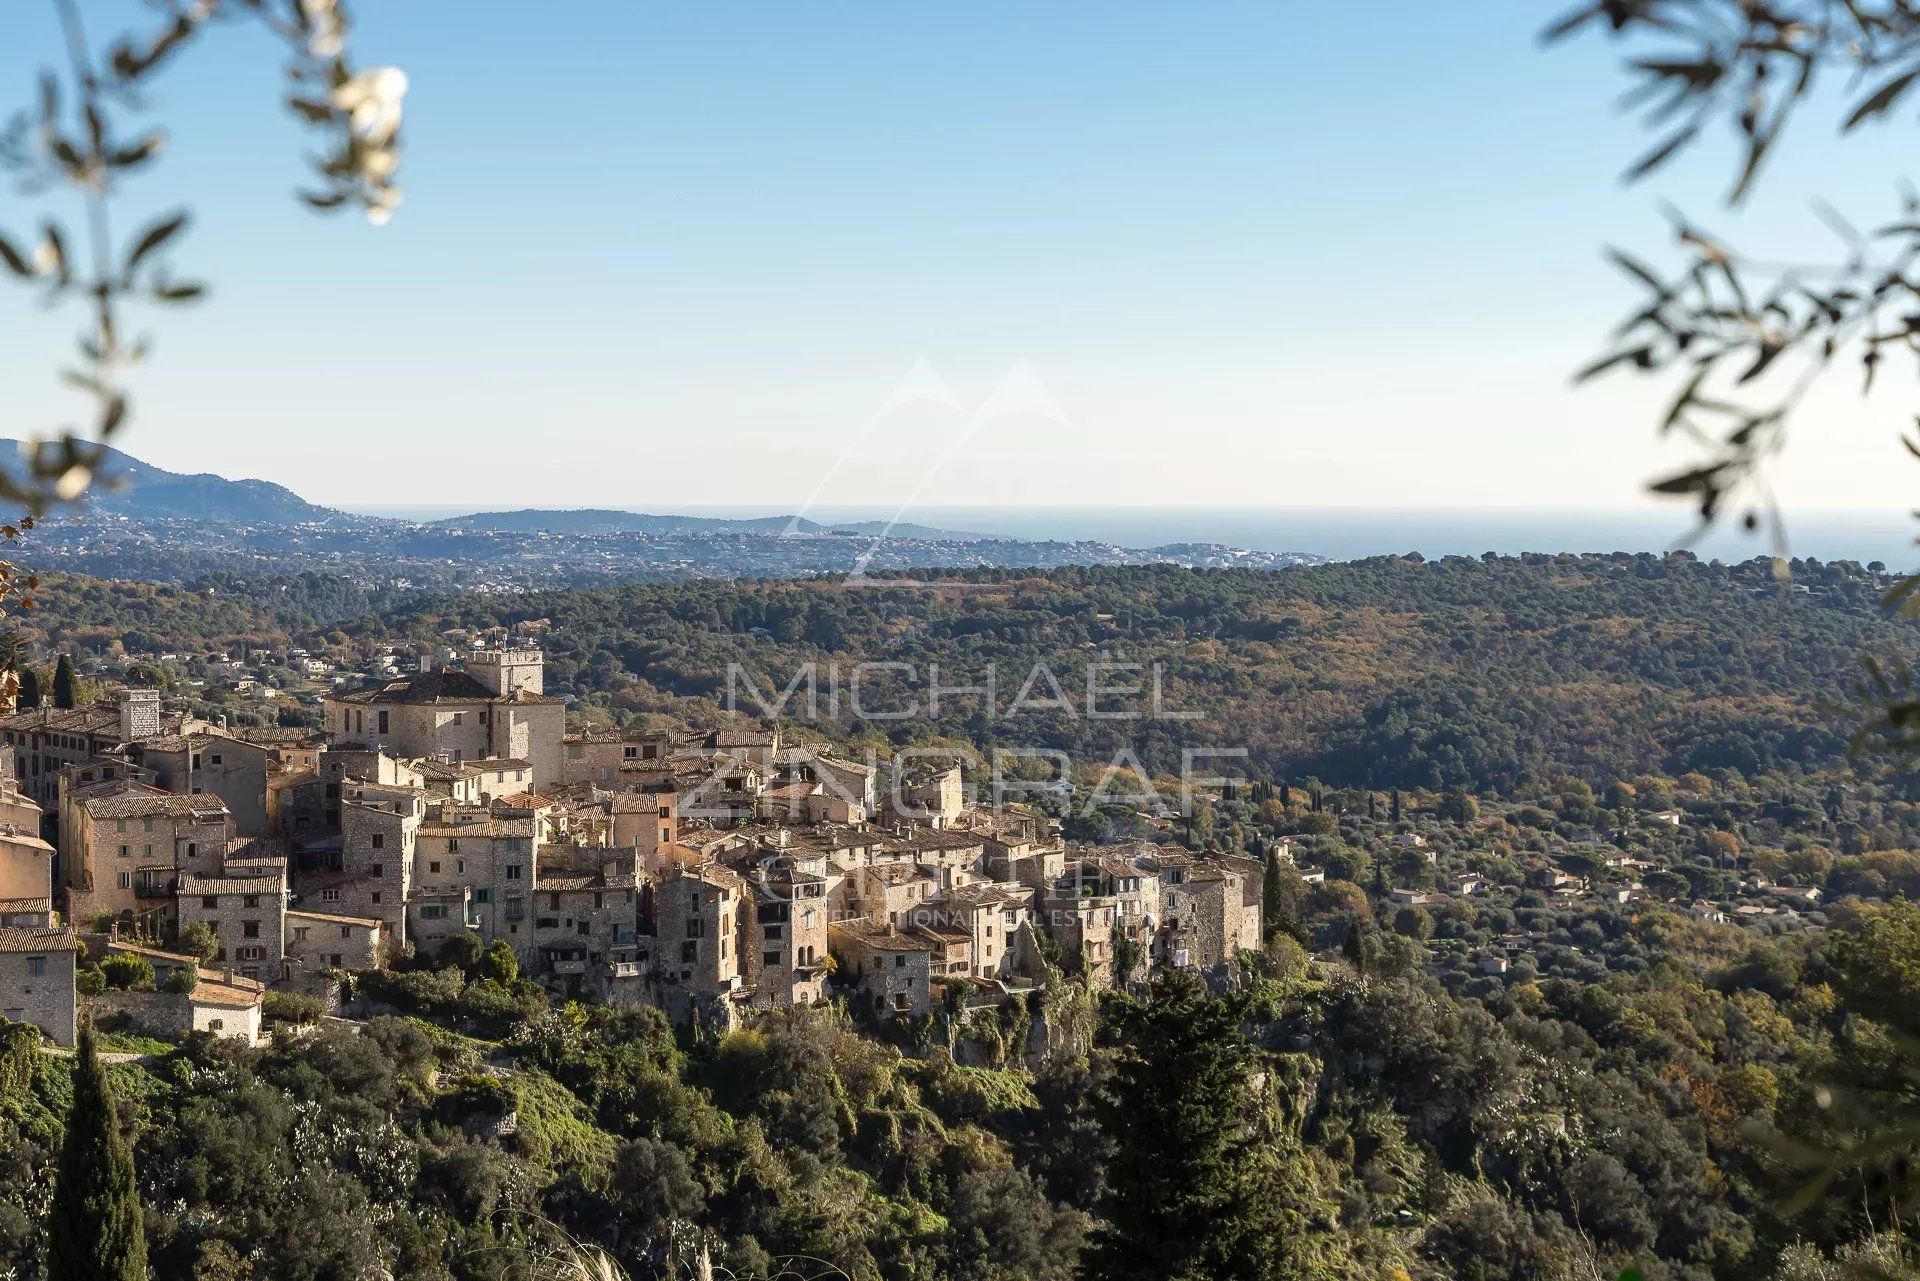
{"x": 1386, "y": 672}
{"x": 1342, "y": 1119}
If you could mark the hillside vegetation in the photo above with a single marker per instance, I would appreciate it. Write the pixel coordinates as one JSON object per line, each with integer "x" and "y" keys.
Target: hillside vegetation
{"x": 1476, "y": 673}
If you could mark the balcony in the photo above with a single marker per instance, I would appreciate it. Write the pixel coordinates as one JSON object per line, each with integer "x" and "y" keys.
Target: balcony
{"x": 154, "y": 885}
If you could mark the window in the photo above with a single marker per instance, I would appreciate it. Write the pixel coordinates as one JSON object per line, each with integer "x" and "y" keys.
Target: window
{"x": 250, "y": 929}
{"x": 210, "y": 902}
{"x": 690, "y": 950}
{"x": 513, "y": 871}
{"x": 900, "y": 962}
{"x": 216, "y": 758}
{"x": 126, "y": 880}
{"x": 123, "y": 851}
{"x": 36, "y": 966}
{"x": 379, "y": 841}
{"x": 434, "y": 867}
{"x": 329, "y": 896}
{"x": 770, "y": 958}
{"x": 377, "y": 871}
{"x": 346, "y": 931}
{"x": 383, "y": 722}
{"x": 459, "y": 718}
{"x": 483, "y": 896}
{"x": 250, "y": 900}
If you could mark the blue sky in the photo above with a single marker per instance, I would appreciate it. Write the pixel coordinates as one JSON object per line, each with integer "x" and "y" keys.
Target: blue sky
{"x": 663, "y": 256}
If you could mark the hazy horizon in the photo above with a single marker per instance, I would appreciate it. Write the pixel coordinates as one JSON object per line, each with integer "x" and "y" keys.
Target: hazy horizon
{"x": 1341, "y": 533}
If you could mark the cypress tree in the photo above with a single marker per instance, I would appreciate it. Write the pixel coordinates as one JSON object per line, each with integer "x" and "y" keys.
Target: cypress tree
{"x": 29, "y": 689}
{"x": 95, "y": 1232}
{"x": 1354, "y": 948}
{"x": 66, "y": 691}
{"x": 1271, "y": 908}
{"x": 1396, "y": 805}
{"x": 1196, "y": 1186}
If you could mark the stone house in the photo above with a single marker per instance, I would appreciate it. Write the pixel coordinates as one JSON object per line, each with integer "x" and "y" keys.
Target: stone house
{"x": 27, "y": 914}
{"x": 491, "y": 707}
{"x": 327, "y": 941}
{"x": 936, "y": 800}
{"x": 247, "y": 915}
{"x": 645, "y": 822}
{"x": 379, "y": 829}
{"x": 583, "y": 921}
{"x": 697, "y": 935}
{"x": 26, "y": 864}
{"x": 476, "y": 782}
{"x": 132, "y": 842}
{"x": 210, "y": 763}
{"x": 599, "y": 756}
{"x": 786, "y": 948}
{"x": 37, "y": 980}
{"x": 890, "y": 968}
{"x": 992, "y": 917}
{"x": 484, "y": 857}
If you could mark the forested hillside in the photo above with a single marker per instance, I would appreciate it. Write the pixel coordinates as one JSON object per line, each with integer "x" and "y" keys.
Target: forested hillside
{"x": 1477, "y": 673}
{"x": 1386, "y": 672}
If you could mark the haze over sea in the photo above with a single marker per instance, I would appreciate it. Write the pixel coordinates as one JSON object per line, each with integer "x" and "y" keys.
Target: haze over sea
{"x": 1350, "y": 533}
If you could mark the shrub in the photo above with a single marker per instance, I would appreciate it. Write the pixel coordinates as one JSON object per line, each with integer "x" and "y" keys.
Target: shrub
{"x": 127, "y": 972}
{"x": 199, "y": 940}
{"x": 293, "y": 1007}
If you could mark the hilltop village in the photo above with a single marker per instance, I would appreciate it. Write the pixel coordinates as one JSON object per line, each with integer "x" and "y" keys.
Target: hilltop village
{"x": 448, "y": 808}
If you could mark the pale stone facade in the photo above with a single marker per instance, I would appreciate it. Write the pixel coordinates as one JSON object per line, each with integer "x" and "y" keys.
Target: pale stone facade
{"x": 37, "y": 980}
{"x": 327, "y": 941}
{"x": 247, "y": 915}
{"x": 491, "y": 708}
{"x": 132, "y": 842}
{"x": 892, "y": 967}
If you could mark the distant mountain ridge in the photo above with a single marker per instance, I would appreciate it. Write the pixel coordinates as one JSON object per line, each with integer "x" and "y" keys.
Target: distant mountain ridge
{"x": 129, "y": 487}
{"x": 602, "y": 520}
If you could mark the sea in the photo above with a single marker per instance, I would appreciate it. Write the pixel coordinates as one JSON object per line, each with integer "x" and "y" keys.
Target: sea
{"x": 1352, "y": 533}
